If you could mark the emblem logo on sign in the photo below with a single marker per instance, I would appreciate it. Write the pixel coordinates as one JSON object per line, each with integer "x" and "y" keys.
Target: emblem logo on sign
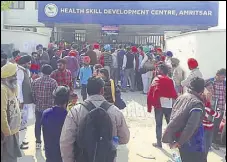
{"x": 51, "y": 10}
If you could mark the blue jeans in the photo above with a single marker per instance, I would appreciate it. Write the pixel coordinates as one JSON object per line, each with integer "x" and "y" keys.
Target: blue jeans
{"x": 123, "y": 82}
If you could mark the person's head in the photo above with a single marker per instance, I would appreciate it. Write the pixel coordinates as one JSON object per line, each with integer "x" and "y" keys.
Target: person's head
{"x": 163, "y": 69}
{"x": 9, "y": 75}
{"x": 46, "y": 69}
{"x": 192, "y": 63}
{"x": 35, "y": 55}
{"x": 97, "y": 67}
{"x": 74, "y": 47}
{"x": 73, "y": 98}
{"x": 113, "y": 50}
{"x": 159, "y": 51}
{"x": 146, "y": 49}
{"x": 61, "y": 96}
{"x": 104, "y": 74}
{"x": 86, "y": 60}
{"x": 140, "y": 48}
{"x": 197, "y": 85}
{"x": 175, "y": 62}
{"x": 120, "y": 47}
{"x": 102, "y": 50}
{"x": 134, "y": 49}
{"x": 96, "y": 46}
{"x": 169, "y": 54}
{"x": 25, "y": 61}
{"x": 107, "y": 48}
{"x": 221, "y": 75}
{"x": 39, "y": 49}
{"x": 90, "y": 47}
{"x": 209, "y": 86}
{"x": 3, "y": 59}
{"x": 44, "y": 49}
{"x": 95, "y": 86}
{"x": 15, "y": 53}
{"x": 128, "y": 49}
{"x": 61, "y": 64}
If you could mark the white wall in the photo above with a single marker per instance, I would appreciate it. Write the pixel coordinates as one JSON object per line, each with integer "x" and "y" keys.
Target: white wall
{"x": 25, "y": 41}
{"x": 2, "y": 19}
{"x": 25, "y": 17}
{"x": 208, "y": 47}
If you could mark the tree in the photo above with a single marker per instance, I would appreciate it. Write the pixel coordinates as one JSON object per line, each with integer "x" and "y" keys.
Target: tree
{"x": 5, "y": 5}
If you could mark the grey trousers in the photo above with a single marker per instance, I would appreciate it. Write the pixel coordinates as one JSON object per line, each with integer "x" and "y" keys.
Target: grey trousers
{"x": 114, "y": 75}
{"x": 10, "y": 149}
{"x": 107, "y": 68}
{"x": 130, "y": 74}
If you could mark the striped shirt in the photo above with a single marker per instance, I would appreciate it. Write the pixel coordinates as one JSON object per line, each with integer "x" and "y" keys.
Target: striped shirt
{"x": 207, "y": 123}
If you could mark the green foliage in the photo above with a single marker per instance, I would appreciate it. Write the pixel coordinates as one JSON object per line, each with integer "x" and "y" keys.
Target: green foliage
{"x": 5, "y": 5}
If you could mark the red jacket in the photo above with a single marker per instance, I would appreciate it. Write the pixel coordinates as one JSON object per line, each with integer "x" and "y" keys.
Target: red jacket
{"x": 162, "y": 86}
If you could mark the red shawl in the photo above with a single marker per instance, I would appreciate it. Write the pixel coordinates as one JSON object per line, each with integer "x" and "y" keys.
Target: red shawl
{"x": 162, "y": 86}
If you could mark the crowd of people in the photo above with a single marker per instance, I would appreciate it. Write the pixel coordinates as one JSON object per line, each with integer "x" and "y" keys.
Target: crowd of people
{"x": 50, "y": 77}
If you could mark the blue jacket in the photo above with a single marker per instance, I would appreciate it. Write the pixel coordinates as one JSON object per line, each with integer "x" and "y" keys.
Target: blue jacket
{"x": 52, "y": 122}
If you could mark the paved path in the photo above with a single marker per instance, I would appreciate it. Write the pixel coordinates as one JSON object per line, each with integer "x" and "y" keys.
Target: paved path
{"x": 139, "y": 149}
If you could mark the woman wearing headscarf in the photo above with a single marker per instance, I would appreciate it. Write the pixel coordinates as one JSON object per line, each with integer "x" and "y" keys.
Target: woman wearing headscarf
{"x": 194, "y": 72}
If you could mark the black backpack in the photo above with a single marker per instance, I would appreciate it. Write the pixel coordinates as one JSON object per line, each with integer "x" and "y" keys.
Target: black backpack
{"x": 94, "y": 136}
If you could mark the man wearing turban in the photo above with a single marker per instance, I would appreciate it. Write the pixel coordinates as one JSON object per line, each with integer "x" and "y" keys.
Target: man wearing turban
{"x": 10, "y": 114}
{"x": 24, "y": 91}
{"x": 194, "y": 72}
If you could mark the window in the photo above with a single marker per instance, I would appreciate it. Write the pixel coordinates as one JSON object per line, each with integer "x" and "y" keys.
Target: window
{"x": 17, "y": 5}
{"x": 36, "y": 5}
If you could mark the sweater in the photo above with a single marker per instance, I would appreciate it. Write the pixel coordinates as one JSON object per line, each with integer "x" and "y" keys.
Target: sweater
{"x": 52, "y": 132}
{"x": 10, "y": 122}
{"x": 207, "y": 123}
{"x": 162, "y": 86}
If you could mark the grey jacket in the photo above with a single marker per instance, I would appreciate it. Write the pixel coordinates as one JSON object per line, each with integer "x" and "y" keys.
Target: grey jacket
{"x": 44, "y": 59}
{"x": 68, "y": 135}
{"x": 187, "y": 115}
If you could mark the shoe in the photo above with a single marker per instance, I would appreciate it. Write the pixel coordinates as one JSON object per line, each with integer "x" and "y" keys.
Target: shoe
{"x": 38, "y": 145}
{"x": 215, "y": 146}
{"x": 157, "y": 145}
{"x": 24, "y": 128}
{"x": 23, "y": 147}
{"x": 25, "y": 143}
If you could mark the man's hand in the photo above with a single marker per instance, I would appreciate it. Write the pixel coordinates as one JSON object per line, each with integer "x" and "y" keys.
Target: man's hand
{"x": 174, "y": 145}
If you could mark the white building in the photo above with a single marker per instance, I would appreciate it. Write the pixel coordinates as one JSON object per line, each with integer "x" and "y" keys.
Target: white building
{"x": 20, "y": 22}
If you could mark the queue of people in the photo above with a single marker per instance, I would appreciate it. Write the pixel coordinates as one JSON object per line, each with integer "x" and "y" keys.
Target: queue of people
{"x": 49, "y": 78}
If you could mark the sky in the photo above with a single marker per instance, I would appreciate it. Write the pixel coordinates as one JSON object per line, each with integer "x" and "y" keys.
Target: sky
{"x": 222, "y": 15}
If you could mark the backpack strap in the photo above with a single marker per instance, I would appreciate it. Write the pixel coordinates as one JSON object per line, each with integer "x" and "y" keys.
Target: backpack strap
{"x": 105, "y": 105}
{"x": 88, "y": 105}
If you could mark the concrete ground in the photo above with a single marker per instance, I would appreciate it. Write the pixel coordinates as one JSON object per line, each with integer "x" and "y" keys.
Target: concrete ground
{"x": 139, "y": 149}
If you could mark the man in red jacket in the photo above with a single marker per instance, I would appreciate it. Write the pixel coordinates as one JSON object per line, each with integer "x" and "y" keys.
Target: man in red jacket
{"x": 160, "y": 96}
